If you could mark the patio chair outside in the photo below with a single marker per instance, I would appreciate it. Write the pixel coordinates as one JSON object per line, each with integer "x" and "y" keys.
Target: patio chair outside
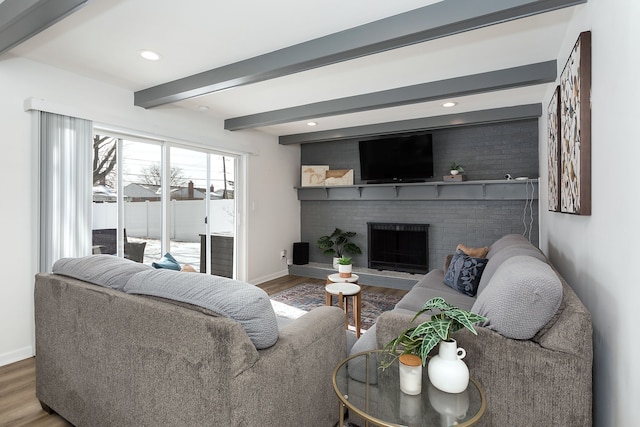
{"x": 105, "y": 241}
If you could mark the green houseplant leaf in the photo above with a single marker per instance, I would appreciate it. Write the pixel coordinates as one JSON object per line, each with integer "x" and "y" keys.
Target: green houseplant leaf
{"x": 423, "y": 338}
{"x": 338, "y": 243}
{"x": 344, "y": 260}
{"x": 456, "y": 167}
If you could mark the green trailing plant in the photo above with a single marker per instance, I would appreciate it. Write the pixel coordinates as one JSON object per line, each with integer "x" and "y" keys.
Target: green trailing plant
{"x": 421, "y": 339}
{"x": 456, "y": 167}
{"x": 339, "y": 243}
{"x": 344, "y": 260}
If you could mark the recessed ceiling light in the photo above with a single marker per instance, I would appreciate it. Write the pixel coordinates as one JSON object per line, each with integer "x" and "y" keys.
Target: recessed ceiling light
{"x": 203, "y": 108}
{"x": 449, "y": 104}
{"x": 149, "y": 55}
{"x": 312, "y": 123}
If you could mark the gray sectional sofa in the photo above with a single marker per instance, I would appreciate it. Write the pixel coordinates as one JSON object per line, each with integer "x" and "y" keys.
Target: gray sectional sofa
{"x": 533, "y": 357}
{"x": 121, "y": 344}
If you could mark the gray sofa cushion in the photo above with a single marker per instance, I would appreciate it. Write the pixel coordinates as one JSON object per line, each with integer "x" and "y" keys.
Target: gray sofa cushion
{"x": 431, "y": 286}
{"x": 506, "y": 241}
{"x": 498, "y": 257}
{"x": 103, "y": 270}
{"x": 522, "y": 296}
{"x": 357, "y": 367}
{"x": 243, "y": 302}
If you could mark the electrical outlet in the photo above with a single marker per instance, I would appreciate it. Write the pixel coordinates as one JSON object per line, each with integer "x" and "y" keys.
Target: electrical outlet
{"x": 283, "y": 254}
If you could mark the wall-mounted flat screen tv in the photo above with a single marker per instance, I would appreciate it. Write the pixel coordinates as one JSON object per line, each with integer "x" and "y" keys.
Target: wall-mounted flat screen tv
{"x": 406, "y": 158}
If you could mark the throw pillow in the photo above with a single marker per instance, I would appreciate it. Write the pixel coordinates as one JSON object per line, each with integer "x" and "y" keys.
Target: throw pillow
{"x": 167, "y": 261}
{"x": 447, "y": 262}
{"x": 103, "y": 270}
{"x": 247, "y": 304}
{"x": 188, "y": 268}
{"x": 464, "y": 273}
{"x": 522, "y": 296}
{"x": 474, "y": 252}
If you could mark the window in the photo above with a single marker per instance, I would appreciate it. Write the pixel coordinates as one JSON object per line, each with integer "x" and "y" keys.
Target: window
{"x": 136, "y": 216}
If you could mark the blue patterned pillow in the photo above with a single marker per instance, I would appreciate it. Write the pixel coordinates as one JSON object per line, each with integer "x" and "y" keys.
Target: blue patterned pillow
{"x": 464, "y": 273}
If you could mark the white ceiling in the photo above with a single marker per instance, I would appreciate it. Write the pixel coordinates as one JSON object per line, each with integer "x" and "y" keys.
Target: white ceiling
{"x": 101, "y": 41}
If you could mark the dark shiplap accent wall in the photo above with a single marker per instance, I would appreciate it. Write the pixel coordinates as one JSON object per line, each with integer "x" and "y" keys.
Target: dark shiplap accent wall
{"x": 487, "y": 152}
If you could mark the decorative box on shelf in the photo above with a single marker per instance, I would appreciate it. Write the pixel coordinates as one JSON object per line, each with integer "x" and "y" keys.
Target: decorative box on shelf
{"x": 454, "y": 178}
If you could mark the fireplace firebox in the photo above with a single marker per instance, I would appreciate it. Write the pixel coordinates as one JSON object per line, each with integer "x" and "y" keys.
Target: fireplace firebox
{"x": 398, "y": 247}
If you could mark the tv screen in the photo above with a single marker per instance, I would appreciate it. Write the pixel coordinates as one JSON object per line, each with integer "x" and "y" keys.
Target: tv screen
{"x": 396, "y": 159}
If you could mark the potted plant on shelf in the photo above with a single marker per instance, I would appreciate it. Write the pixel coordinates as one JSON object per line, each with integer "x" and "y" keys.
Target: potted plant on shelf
{"x": 344, "y": 266}
{"x": 455, "y": 169}
{"x": 447, "y": 371}
{"x": 337, "y": 244}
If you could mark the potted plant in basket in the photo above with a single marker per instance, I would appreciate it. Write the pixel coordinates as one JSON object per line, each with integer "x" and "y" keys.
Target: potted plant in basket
{"x": 337, "y": 244}
{"x": 447, "y": 371}
{"x": 455, "y": 169}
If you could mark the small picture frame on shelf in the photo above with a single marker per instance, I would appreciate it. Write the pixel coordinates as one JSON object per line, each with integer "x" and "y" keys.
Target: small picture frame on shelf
{"x": 313, "y": 175}
{"x": 339, "y": 177}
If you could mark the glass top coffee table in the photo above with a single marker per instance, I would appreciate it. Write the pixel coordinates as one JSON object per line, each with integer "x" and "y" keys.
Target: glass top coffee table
{"x": 374, "y": 395}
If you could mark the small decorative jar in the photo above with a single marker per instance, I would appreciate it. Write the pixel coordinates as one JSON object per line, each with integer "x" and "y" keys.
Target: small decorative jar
{"x": 410, "y": 374}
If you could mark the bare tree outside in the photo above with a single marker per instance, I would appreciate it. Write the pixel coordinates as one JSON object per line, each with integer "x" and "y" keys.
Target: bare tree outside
{"x": 105, "y": 156}
{"x": 152, "y": 175}
{"x": 104, "y": 160}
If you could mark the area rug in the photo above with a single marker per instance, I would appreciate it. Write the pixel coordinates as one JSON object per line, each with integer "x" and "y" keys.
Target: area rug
{"x": 295, "y": 302}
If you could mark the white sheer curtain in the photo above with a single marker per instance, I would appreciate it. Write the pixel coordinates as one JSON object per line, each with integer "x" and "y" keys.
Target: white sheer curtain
{"x": 66, "y": 149}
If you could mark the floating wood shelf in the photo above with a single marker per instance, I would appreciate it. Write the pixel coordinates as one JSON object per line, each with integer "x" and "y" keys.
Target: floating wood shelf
{"x": 434, "y": 190}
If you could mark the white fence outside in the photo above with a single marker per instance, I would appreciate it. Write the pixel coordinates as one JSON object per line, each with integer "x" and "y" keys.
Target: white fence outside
{"x": 144, "y": 219}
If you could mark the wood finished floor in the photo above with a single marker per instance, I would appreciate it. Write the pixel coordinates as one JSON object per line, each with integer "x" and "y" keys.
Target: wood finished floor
{"x": 18, "y": 403}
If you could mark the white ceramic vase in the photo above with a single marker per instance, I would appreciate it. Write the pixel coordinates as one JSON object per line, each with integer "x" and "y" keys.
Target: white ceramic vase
{"x": 454, "y": 172}
{"x": 447, "y": 371}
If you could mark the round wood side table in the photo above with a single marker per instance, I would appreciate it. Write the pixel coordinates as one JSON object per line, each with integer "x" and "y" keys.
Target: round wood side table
{"x": 343, "y": 291}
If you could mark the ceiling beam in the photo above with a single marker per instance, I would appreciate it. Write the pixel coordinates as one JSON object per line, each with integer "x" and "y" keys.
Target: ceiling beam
{"x": 519, "y": 112}
{"x": 526, "y": 75}
{"x": 23, "y": 19}
{"x": 438, "y": 20}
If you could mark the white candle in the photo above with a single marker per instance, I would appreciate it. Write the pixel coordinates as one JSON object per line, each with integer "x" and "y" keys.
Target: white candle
{"x": 410, "y": 374}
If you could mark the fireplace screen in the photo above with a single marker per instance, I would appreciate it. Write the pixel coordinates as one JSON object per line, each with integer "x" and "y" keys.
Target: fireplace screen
{"x": 398, "y": 247}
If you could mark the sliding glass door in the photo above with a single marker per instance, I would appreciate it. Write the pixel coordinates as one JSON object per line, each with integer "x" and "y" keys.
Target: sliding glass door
{"x": 141, "y": 200}
{"x": 221, "y": 216}
{"x": 152, "y": 197}
{"x": 202, "y": 210}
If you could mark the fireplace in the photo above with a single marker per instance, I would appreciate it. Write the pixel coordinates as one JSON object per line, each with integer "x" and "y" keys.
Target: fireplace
{"x": 398, "y": 247}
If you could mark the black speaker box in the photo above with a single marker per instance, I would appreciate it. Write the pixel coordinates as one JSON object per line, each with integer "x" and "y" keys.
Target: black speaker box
{"x": 301, "y": 253}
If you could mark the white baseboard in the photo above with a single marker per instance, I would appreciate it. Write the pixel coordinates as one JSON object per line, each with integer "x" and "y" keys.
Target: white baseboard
{"x": 16, "y": 355}
{"x": 268, "y": 277}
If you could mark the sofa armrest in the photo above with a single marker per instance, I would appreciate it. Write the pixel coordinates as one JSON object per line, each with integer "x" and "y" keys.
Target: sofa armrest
{"x": 303, "y": 359}
{"x": 523, "y": 381}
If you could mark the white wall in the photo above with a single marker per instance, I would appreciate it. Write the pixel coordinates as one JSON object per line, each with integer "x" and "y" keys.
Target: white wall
{"x": 272, "y": 226}
{"x": 274, "y": 210}
{"x": 596, "y": 254}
